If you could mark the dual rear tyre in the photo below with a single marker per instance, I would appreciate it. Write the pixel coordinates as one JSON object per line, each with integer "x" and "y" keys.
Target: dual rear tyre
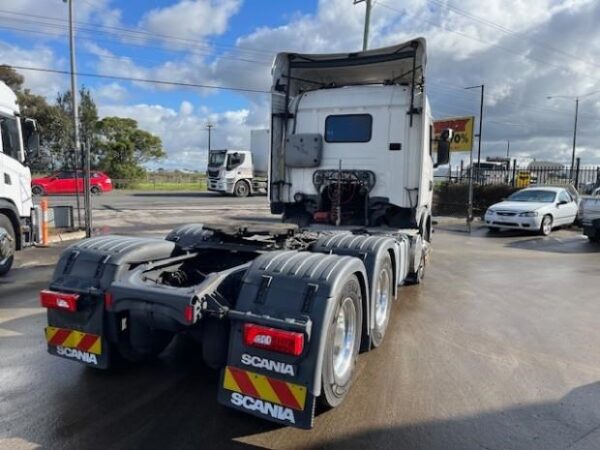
{"x": 346, "y": 327}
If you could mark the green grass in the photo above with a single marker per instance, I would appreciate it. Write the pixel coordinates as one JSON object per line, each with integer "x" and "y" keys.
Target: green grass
{"x": 165, "y": 186}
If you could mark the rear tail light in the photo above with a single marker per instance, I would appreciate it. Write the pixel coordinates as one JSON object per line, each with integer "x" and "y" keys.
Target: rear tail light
{"x": 59, "y": 300}
{"x": 281, "y": 341}
{"x": 188, "y": 313}
{"x": 108, "y": 301}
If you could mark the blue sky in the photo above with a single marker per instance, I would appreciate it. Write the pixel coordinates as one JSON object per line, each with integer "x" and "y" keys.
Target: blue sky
{"x": 522, "y": 51}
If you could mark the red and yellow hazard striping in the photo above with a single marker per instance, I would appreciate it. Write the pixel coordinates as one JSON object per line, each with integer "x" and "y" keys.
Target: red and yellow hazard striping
{"x": 265, "y": 388}
{"x": 74, "y": 339}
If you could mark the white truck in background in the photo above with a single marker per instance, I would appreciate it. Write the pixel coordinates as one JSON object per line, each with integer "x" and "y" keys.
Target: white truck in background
{"x": 240, "y": 172}
{"x": 19, "y": 142}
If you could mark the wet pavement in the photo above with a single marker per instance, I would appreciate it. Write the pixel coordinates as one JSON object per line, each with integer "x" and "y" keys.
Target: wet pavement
{"x": 498, "y": 349}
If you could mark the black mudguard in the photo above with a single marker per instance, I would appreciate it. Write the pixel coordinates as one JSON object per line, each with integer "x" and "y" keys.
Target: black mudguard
{"x": 288, "y": 285}
{"x": 88, "y": 268}
{"x": 369, "y": 249}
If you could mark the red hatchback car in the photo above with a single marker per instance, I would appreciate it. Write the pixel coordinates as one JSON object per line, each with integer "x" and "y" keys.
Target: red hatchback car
{"x": 64, "y": 182}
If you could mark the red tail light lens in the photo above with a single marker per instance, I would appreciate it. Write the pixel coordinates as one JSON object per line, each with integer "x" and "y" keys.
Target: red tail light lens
{"x": 108, "y": 301}
{"x": 59, "y": 300}
{"x": 188, "y": 313}
{"x": 272, "y": 339}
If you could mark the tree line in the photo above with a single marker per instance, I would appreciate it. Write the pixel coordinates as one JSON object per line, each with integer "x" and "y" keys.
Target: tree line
{"x": 117, "y": 145}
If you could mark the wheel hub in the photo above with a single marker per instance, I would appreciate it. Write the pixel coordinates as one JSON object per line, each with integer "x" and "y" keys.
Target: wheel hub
{"x": 6, "y": 245}
{"x": 382, "y": 298}
{"x": 344, "y": 341}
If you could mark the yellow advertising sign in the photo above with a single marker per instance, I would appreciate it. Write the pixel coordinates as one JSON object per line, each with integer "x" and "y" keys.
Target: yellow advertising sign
{"x": 462, "y": 141}
{"x": 523, "y": 179}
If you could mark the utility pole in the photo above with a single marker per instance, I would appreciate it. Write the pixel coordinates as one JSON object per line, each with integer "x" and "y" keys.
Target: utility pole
{"x": 367, "y": 22}
{"x": 574, "y": 138}
{"x": 470, "y": 206}
{"x": 76, "y": 143}
{"x": 209, "y": 127}
{"x": 87, "y": 200}
{"x": 508, "y": 149}
{"x": 577, "y": 98}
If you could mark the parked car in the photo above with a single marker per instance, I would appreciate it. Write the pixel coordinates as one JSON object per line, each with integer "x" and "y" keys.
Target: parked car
{"x": 65, "y": 182}
{"x": 537, "y": 209}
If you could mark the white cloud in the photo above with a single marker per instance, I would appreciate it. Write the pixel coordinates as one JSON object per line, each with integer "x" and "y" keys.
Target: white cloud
{"x": 41, "y": 83}
{"x": 191, "y": 19}
{"x": 112, "y": 92}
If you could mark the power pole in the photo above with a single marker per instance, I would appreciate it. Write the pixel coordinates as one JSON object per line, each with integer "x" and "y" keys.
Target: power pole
{"x": 574, "y": 138}
{"x": 470, "y": 206}
{"x": 209, "y": 127}
{"x": 76, "y": 143}
{"x": 508, "y": 149}
{"x": 367, "y": 22}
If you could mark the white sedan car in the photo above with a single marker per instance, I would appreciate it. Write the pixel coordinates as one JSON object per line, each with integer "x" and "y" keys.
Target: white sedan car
{"x": 537, "y": 209}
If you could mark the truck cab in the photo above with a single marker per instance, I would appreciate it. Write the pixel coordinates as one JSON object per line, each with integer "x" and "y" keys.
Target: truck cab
{"x": 228, "y": 170}
{"x": 351, "y": 139}
{"x": 19, "y": 141}
{"x": 240, "y": 172}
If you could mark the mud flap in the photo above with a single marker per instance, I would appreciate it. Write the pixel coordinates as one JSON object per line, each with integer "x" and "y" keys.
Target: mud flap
{"x": 87, "y": 348}
{"x": 289, "y": 287}
{"x": 267, "y": 397}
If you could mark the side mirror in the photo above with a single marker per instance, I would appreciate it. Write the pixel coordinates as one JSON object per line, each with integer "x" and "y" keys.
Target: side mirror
{"x": 31, "y": 138}
{"x": 562, "y": 202}
{"x": 443, "y": 147}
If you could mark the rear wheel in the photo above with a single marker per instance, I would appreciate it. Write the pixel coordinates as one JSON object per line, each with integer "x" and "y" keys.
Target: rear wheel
{"x": 343, "y": 342}
{"x": 37, "y": 190}
{"x": 7, "y": 244}
{"x": 382, "y": 300}
{"x": 546, "y": 226}
{"x": 241, "y": 189}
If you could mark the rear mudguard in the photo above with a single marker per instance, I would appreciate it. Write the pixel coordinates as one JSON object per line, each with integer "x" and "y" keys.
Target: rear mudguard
{"x": 370, "y": 250}
{"x": 89, "y": 268}
{"x": 293, "y": 286}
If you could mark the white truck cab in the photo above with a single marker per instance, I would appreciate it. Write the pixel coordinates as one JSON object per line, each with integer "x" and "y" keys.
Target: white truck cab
{"x": 240, "y": 172}
{"x": 19, "y": 141}
{"x": 352, "y": 139}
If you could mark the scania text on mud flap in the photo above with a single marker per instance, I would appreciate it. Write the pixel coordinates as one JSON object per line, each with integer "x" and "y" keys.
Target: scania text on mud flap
{"x": 282, "y": 312}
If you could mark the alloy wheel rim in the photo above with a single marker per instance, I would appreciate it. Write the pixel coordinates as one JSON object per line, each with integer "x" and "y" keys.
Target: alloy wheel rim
{"x": 547, "y": 225}
{"x": 344, "y": 341}
{"x": 382, "y": 298}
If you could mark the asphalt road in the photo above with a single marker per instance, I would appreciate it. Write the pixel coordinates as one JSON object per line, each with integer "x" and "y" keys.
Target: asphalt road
{"x": 137, "y": 200}
{"x": 498, "y": 349}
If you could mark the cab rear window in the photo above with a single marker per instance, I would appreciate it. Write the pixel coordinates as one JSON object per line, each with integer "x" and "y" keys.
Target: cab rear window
{"x": 348, "y": 128}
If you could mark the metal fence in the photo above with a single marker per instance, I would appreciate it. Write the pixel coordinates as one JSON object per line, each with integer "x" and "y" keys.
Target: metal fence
{"x": 585, "y": 179}
{"x": 156, "y": 182}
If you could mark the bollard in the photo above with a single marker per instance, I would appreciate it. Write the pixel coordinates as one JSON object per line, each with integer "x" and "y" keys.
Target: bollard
{"x": 44, "y": 208}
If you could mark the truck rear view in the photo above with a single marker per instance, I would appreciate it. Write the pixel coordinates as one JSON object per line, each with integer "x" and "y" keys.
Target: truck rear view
{"x": 283, "y": 315}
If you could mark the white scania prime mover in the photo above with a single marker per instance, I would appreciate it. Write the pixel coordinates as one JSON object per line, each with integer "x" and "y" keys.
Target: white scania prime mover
{"x": 19, "y": 141}
{"x": 240, "y": 172}
{"x": 282, "y": 314}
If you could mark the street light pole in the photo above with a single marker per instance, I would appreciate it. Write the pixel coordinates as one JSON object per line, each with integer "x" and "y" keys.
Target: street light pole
{"x": 367, "y": 22}
{"x": 574, "y": 138}
{"x": 470, "y": 205}
{"x": 209, "y": 127}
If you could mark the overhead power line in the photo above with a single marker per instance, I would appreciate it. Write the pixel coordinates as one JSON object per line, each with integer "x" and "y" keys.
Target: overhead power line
{"x": 143, "y": 80}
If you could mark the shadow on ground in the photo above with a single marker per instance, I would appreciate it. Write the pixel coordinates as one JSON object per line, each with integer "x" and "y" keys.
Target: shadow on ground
{"x": 572, "y": 423}
{"x": 577, "y": 244}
